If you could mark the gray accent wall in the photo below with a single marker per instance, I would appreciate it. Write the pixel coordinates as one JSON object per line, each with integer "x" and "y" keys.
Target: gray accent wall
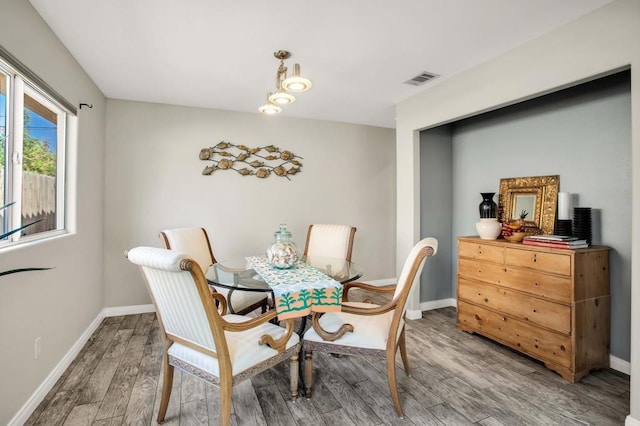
{"x": 582, "y": 134}
{"x": 436, "y": 206}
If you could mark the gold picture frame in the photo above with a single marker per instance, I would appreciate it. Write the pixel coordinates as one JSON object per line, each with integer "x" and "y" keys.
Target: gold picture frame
{"x": 538, "y": 195}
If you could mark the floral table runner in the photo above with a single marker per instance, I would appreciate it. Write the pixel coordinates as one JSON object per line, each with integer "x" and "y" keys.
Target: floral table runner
{"x": 300, "y": 289}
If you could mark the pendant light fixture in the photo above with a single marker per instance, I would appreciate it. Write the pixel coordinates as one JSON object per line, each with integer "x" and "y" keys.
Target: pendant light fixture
{"x": 269, "y": 107}
{"x": 281, "y": 97}
{"x": 293, "y": 83}
{"x": 296, "y": 83}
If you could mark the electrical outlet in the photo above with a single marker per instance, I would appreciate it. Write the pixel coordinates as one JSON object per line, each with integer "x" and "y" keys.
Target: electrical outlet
{"x": 37, "y": 348}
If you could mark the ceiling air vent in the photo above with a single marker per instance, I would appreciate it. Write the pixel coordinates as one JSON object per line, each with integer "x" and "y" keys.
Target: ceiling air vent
{"x": 421, "y": 78}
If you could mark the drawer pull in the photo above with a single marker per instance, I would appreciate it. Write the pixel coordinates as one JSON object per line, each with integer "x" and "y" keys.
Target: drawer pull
{"x": 504, "y": 318}
{"x": 562, "y": 348}
{"x": 477, "y": 317}
{"x": 487, "y": 300}
{"x": 534, "y": 259}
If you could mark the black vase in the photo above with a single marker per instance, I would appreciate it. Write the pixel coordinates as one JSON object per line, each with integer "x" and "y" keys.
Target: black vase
{"x": 488, "y": 208}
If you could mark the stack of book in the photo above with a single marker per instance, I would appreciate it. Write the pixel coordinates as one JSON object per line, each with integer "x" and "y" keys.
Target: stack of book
{"x": 556, "y": 241}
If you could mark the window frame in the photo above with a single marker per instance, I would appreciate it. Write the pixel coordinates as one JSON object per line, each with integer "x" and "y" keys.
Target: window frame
{"x": 19, "y": 86}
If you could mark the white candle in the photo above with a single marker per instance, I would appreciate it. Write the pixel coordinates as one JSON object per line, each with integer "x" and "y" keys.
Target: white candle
{"x": 564, "y": 206}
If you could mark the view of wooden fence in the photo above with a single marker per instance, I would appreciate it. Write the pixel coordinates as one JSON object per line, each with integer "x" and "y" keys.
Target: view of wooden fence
{"x": 38, "y": 202}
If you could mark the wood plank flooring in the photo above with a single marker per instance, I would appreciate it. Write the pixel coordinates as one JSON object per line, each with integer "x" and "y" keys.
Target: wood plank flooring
{"x": 457, "y": 379}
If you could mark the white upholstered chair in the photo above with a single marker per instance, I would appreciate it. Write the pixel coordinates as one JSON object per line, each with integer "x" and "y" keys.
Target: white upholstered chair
{"x": 327, "y": 240}
{"x": 195, "y": 243}
{"x": 221, "y": 349}
{"x": 369, "y": 329}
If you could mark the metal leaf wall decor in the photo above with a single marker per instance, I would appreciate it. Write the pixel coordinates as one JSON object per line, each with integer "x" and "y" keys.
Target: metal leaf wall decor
{"x": 262, "y": 161}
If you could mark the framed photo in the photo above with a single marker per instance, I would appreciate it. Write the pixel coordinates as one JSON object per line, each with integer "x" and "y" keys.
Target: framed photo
{"x": 534, "y": 198}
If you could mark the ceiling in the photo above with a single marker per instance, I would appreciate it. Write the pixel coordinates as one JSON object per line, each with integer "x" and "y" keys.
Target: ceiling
{"x": 357, "y": 53}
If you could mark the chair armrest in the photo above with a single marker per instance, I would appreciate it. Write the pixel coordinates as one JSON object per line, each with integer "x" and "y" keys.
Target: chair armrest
{"x": 364, "y": 286}
{"x": 344, "y": 328}
{"x": 251, "y": 323}
{"x": 278, "y": 344}
{"x": 221, "y": 302}
{"x": 281, "y": 343}
{"x": 328, "y": 335}
{"x": 373, "y": 310}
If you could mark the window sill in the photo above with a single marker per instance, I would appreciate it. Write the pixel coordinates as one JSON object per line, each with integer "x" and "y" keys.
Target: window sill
{"x": 32, "y": 240}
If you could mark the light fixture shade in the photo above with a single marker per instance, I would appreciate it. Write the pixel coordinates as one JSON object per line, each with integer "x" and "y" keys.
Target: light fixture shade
{"x": 281, "y": 98}
{"x": 270, "y": 108}
{"x": 296, "y": 83}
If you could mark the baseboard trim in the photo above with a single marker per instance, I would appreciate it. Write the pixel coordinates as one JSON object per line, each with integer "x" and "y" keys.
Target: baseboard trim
{"x": 620, "y": 365}
{"x": 630, "y": 421}
{"x": 115, "y": 311}
{"x": 415, "y": 314}
{"x": 41, "y": 392}
{"x": 437, "y": 304}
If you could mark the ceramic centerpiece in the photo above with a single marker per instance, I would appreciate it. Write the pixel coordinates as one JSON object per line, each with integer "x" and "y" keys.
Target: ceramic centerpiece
{"x": 488, "y": 228}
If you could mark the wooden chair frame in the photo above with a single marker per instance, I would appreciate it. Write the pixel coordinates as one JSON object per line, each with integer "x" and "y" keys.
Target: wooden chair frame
{"x": 218, "y": 326}
{"x": 262, "y": 304}
{"x": 395, "y": 339}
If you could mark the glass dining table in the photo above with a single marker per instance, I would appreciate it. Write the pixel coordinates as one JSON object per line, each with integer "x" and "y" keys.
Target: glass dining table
{"x": 238, "y": 275}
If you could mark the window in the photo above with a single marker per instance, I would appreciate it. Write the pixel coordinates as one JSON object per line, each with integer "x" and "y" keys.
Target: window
{"x": 32, "y": 159}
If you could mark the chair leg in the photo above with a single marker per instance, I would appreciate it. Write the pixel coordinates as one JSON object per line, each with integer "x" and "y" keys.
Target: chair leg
{"x": 167, "y": 383}
{"x": 295, "y": 372}
{"x": 403, "y": 353}
{"x": 393, "y": 385}
{"x": 226, "y": 392}
{"x": 308, "y": 371}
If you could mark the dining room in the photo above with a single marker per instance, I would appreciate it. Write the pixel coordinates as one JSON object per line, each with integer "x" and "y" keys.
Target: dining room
{"x": 137, "y": 169}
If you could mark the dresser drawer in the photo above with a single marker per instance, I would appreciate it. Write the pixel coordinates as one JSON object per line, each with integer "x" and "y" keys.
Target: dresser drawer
{"x": 548, "y": 286}
{"x": 541, "y": 344}
{"x": 481, "y": 271}
{"x": 538, "y": 284}
{"x": 540, "y": 261}
{"x": 529, "y": 309}
{"x": 481, "y": 252}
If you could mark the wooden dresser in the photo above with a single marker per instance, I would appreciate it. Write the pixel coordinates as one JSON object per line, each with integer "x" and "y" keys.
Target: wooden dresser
{"x": 551, "y": 304}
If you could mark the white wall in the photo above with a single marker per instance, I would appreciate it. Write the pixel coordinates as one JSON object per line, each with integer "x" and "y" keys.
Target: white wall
{"x": 154, "y": 181}
{"x": 598, "y": 43}
{"x": 56, "y": 305}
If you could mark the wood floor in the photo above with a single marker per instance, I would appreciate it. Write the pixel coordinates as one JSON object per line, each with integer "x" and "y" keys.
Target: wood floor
{"x": 457, "y": 379}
